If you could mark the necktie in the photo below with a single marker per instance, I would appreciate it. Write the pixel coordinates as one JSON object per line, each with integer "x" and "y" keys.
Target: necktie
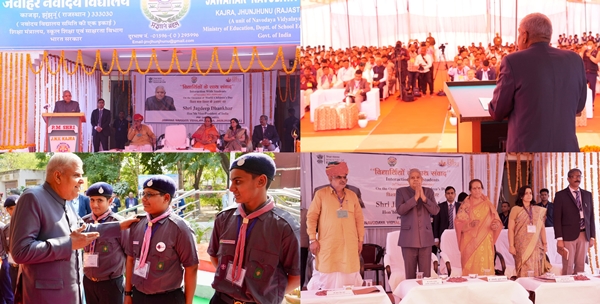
{"x": 238, "y": 258}
{"x": 451, "y": 216}
{"x": 100, "y": 117}
{"x": 264, "y": 130}
{"x": 578, "y": 201}
{"x": 96, "y": 220}
{"x": 148, "y": 236}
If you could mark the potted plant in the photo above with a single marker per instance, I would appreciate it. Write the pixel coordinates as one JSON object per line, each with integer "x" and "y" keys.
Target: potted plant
{"x": 362, "y": 120}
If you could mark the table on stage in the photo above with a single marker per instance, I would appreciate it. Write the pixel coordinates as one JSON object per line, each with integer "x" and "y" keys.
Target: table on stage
{"x": 381, "y": 297}
{"x": 581, "y": 292}
{"x": 473, "y": 291}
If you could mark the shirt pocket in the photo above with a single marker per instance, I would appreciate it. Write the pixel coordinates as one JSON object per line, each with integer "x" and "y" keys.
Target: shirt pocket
{"x": 261, "y": 267}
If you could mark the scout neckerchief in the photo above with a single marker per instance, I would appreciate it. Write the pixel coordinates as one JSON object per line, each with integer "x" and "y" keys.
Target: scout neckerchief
{"x": 241, "y": 242}
{"x": 148, "y": 236}
{"x": 96, "y": 221}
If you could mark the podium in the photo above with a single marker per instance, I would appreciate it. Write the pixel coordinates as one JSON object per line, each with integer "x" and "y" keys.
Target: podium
{"x": 63, "y": 133}
{"x": 476, "y": 131}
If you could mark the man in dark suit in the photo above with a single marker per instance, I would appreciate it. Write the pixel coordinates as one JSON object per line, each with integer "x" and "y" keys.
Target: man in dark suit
{"x": 100, "y": 126}
{"x": 544, "y": 194}
{"x": 445, "y": 218}
{"x": 574, "y": 226}
{"x": 67, "y": 104}
{"x": 485, "y": 73}
{"x": 81, "y": 205}
{"x": 131, "y": 201}
{"x": 116, "y": 203}
{"x": 265, "y": 136}
{"x": 415, "y": 204}
{"x": 121, "y": 126}
{"x": 538, "y": 84}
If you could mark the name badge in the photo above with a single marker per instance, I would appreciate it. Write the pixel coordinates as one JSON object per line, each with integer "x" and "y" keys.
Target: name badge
{"x": 564, "y": 279}
{"x": 230, "y": 242}
{"x": 90, "y": 260}
{"x": 229, "y": 276}
{"x": 432, "y": 282}
{"x": 344, "y": 292}
{"x": 141, "y": 272}
{"x": 530, "y": 229}
{"x": 497, "y": 279}
{"x": 342, "y": 213}
{"x": 375, "y": 75}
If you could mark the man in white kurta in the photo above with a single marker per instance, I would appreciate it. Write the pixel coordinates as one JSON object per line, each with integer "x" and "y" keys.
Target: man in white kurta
{"x": 336, "y": 212}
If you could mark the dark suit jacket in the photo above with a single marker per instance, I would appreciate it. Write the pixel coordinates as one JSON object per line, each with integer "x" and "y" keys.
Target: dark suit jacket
{"x": 270, "y": 134}
{"x": 538, "y": 85}
{"x": 84, "y": 203}
{"x": 415, "y": 230}
{"x": 116, "y": 205}
{"x": 128, "y": 204}
{"x": 491, "y": 74}
{"x": 566, "y": 215}
{"x": 104, "y": 124}
{"x": 349, "y": 187}
{"x": 441, "y": 221}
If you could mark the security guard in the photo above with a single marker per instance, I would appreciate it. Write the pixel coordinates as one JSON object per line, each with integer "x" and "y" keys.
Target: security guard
{"x": 10, "y": 204}
{"x": 254, "y": 247}
{"x": 104, "y": 259}
{"x": 160, "y": 246}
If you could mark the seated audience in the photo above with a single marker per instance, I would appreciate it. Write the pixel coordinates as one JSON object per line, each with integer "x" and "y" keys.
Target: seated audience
{"x": 485, "y": 73}
{"x": 327, "y": 79}
{"x": 458, "y": 72}
{"x": 308, "y": 84}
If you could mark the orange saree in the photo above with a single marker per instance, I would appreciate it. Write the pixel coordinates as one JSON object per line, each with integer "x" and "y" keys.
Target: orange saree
{"x": 206, "y": 138}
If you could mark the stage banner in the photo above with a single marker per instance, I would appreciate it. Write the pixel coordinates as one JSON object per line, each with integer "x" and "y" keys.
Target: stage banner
{"x": 377, "y": 176}
{"x": 189, "y": 98}
{"x": 81, "y": 24}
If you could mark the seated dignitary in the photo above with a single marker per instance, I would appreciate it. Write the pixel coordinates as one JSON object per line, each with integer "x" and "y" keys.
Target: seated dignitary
{"x": 254, "y": 247}
{"x": 236, "y": 137}
{"x": 206, "y": 136}
{"x": 265, "y": 136}
{"x": 160, "y": 247}
{"x": 140, "y": 136}
{"x": 45, "y": 235}
{"x": 357, "y": 88}
{"x": 160, "y": 101}
{"x": 103, "y": 260}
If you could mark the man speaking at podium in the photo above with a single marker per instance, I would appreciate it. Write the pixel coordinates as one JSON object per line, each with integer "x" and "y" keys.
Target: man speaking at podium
{"x": 67, "y": 105}
{"x": 536, "y": 85}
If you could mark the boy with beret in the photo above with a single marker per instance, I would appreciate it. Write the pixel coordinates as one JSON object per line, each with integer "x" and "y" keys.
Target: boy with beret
{"x": 254, "y": 247}
{"x": 161, "y": 245}
{"x": 104, "y": 259}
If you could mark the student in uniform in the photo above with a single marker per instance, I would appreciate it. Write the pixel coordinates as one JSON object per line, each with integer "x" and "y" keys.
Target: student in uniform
{"x": 254, "y": 247}
{"x": 10, "y": 204}
{"x": 160, "y": 247}
{"x": 104, "y": 259}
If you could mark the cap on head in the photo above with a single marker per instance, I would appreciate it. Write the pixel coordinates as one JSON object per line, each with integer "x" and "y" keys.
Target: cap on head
{"x": 256, "y": 163}
{"x": 161, "y": 183}
{"x": 100, "y": 189}
{"x": 138, "y": 117}
{"x": 10, "y": 201}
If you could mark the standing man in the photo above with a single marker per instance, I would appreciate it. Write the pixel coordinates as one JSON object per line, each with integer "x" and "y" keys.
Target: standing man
{"x": 100, "y": 126}
{"x": 544, "y": 194}
{"x": 416, "y": 204}
{"x": 537, "y": 84}
{"x": 67, "y": 105}
{"x": 591, "y": 58}
{"x": 131, "y": 201}
{"x": 380, "y": 76}
{"x": 505, "y": 208}
{"x": 254, "y": 247}
{"x": 265, "y": 135}
{"x": 81, "y": 204}
{"x": 10, "y": 204}
{"x": 574, "y": 226}
{"x": 121, "y": 125}
{"x": 116, "y": 203}
{"x": 424, "y": 62}
{"x": 104, "y": 260}
{"x": 45, "y": 235}
{"x": 445, "y": 218}
{"x": 161, "y": 251}
{"x": 336, "y": 212}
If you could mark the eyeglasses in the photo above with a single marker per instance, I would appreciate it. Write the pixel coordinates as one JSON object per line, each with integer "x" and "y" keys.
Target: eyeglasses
{"x": 150, "y": 195}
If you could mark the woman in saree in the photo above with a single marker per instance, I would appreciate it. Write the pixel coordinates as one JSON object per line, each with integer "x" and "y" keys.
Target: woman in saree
{"x": 477, "y": 228}
{"x": 527, "y": 235}
{"x": 236, "y": 137}
{"x": 206, "y": 136}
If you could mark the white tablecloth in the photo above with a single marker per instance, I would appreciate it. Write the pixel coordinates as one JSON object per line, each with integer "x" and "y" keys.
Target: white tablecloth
{"x": 371, "y": 107}
{"x": 580, "y": 292}
{"x": 589, "y": 109}
{"x": 474, "y": 291}
{"x": 309, "y": 297}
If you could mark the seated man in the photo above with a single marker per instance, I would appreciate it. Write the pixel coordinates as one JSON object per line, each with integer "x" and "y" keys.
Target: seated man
{"x": 471, "y": 76}
{"x": 308, "y": 84}
{"x": 160, "y": 101}
{"x": 459, "y": 71}
{"x": 357, "y": 88}
{"x": 140, "y": 136}
{"x": 485, "y": 73}
{"x": 265, "y": 136}
{"x": 327, "y": 80}
{"x": 345, "y": 74}
{"x": 206, "y": 136}
{"x": 380, "y": 76}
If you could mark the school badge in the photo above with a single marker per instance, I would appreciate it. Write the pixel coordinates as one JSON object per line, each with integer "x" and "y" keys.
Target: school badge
{"x": 165, "y": 14}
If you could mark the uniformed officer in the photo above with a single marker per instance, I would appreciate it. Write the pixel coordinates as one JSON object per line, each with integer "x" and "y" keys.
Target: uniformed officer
{"x": 104, "y": 259}
{"x": 160, "y": 246}
{"x": 254, "y": 247}
{"x": 10, "y": 204}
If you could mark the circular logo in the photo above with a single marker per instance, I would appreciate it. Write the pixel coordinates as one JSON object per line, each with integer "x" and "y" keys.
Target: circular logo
{"x": 165, "y": 14}
{"x": 63, "y": 147}
{"x": 160, "y": 247}
{"x": 149, "y": 183}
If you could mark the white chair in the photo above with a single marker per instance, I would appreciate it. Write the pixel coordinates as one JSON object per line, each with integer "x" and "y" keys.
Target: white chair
{"x": 175, "y": 138}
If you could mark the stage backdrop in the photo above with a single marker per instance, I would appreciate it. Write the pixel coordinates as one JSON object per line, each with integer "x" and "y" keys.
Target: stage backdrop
{"x": 219, "y": 96}
{"x": 379, "y": 175}
{"x": 80, "y": 24}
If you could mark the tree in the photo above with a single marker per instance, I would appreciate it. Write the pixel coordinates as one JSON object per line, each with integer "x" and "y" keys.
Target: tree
{"x": 102, "y": 167}
{"x": 14, "y": 161}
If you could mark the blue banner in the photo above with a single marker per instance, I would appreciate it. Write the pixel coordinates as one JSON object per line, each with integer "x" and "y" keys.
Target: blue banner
{"x": 98, "y": 24}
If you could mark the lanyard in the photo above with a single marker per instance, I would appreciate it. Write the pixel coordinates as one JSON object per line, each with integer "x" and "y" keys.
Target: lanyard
{"x": 529, "y": 213}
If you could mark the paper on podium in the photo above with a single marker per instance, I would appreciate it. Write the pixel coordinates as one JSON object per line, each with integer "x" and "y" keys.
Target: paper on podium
{"x": 485, "y": 102}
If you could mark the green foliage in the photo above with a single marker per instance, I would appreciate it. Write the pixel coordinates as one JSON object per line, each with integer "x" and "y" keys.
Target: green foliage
{"x": 105, "y": 167}
{"x": 14, "y": 161}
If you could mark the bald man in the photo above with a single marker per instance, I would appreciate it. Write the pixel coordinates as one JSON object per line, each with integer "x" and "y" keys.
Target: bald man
{"x": 160, "y": 101}
{"x": 67, "y": 104}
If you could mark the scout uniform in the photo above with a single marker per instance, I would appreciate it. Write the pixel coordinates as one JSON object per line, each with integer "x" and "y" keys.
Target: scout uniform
{"x": 14, "y": 268}
{"x": 104, "y": 259}
{"x": 271, "y": 250}
{"x": 172, "y": 247}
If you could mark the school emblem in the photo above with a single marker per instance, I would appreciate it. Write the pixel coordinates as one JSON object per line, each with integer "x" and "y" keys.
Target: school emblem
{"x": 160, "y": 247}
{"x": 63, "y": 147}
{"x": 258, "y": 273}
{"x": 105, "y": 248}
{"x": 165, "y": 14}
{"x": 160, "y": 265}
